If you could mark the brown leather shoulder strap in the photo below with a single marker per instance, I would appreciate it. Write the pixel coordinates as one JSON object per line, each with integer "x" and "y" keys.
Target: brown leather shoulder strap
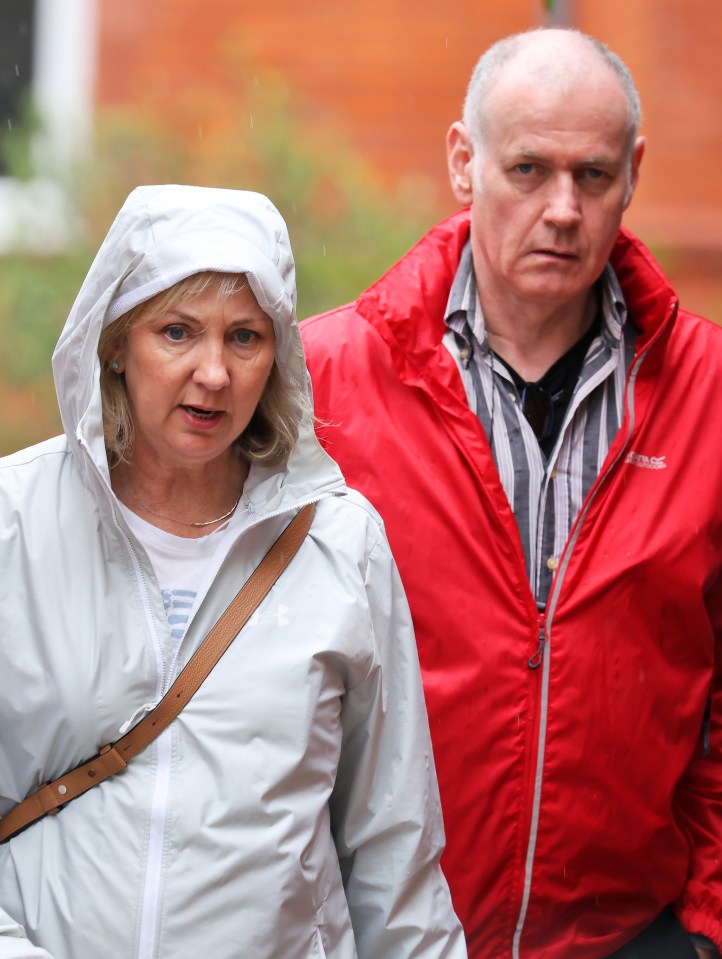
{"x": 115, "y": 756}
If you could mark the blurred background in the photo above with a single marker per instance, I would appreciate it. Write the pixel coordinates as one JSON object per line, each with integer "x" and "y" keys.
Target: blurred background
{"x": 337, "y": 111}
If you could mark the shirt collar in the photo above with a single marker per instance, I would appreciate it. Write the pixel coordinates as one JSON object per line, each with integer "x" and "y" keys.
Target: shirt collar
{"x": 466, "y": 318}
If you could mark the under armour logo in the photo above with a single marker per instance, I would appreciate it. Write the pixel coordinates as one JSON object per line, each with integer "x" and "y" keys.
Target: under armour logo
{"x": 279, "y": 614}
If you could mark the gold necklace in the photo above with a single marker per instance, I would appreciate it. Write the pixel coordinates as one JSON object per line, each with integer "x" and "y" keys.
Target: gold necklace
{"x": 180, "y": 522}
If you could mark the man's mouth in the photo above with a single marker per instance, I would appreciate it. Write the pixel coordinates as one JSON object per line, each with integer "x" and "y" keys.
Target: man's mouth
{"x": 557, "y": 254}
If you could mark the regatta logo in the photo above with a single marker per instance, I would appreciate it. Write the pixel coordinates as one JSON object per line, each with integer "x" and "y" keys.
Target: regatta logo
{"x": 646, "y": 462}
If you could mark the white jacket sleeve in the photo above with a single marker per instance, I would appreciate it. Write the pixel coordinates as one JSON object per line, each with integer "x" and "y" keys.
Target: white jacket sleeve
{"x": 385, "y": 806}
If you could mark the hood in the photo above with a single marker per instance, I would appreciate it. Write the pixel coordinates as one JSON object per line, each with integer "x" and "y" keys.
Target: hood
{"x": 161, "y": 235}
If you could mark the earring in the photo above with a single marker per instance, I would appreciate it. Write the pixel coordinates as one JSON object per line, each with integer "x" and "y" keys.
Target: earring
{"x": 115, "y": 366}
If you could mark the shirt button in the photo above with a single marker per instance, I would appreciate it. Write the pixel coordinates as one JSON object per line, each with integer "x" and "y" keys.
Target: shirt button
{"x": 512, "y": 397}
{"x": 552, "y": 563}
{"x": 554, "y": 474}
{"x": 464, "y": 353}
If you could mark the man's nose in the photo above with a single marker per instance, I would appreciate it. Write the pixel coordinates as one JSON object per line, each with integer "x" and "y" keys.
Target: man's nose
{"x": 563, "y": 209}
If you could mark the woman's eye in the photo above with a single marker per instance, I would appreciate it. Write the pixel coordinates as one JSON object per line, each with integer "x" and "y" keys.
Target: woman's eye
{"x": 175, "y": 333}
{"x": 244, "y": 337}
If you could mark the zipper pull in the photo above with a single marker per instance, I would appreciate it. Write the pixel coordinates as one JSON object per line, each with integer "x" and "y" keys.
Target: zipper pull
{"x": 535, "y": 661}
{"x": 145, "y": 708}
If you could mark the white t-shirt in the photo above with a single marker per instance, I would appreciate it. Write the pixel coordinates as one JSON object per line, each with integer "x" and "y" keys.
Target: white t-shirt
{"x": 180, "y": 565}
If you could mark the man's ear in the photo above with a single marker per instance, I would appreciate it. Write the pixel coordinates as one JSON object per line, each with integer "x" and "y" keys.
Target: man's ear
{"x": 460, "y": 157}
{"x": 637, "y": 154}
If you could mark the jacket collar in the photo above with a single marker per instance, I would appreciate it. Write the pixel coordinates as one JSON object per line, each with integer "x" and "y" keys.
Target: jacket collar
{"x": 407, "y": 304}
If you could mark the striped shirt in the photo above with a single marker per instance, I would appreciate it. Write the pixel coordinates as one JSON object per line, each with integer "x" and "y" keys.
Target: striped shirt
{"x": 545, "y": 494}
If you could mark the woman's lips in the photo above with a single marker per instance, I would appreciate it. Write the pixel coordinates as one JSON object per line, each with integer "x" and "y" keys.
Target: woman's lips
{"x": 200, "y": 417}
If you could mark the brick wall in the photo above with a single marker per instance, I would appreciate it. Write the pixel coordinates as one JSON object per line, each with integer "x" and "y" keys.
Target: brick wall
{"x": 389, "y": 78}
{"x": 673, "y": 50}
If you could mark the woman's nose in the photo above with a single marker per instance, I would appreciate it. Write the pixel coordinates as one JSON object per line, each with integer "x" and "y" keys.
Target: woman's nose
{"x": 211, "y": 368}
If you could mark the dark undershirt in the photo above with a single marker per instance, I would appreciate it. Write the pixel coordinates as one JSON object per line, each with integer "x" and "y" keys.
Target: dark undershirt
{"x": 558, "y": 383}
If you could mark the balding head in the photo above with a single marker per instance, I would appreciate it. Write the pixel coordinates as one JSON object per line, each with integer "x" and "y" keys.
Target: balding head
{"x": 551, "y": 58}
{"x": 557, "y": 168}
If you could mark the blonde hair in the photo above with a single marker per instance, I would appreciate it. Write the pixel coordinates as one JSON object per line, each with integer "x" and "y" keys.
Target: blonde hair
{"x": 273, "y": 429}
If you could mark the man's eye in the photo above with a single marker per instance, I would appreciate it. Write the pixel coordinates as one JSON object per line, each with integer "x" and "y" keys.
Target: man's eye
{"x": 175, "y": 333}
{"x": 526, "y": 169}
{"x": 594, "y": 174}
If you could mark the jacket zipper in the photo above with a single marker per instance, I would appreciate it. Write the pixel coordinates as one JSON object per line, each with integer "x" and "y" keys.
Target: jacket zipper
{"x": 151, "y": 891}
{"x": 150, "y": 902}
{"x": 535, "y": 661}
{"x": 542, "y": 657}
{"x": 156, "y": 830}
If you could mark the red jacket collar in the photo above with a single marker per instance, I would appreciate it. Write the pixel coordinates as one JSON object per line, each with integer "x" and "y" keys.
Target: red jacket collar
{"x": 407, "y": 304}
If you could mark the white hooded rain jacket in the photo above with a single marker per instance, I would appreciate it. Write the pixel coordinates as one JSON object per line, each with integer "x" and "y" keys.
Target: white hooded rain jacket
{"x": 291, "y": 810}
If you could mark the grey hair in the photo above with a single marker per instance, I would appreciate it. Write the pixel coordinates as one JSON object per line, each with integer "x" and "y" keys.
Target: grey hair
{"x": 489, "y": 65}
{"x": 273, "y": 430}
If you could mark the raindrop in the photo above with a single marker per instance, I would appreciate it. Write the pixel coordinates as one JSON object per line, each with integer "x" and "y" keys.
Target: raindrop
{"x": 200, "y": 130}
{"x": 251, "y": 121}
{"x": 17, "y": 70}
{"x": 10, "y": 124}
{"x": 446, "y": 40}
{"x": 324, "y": 249}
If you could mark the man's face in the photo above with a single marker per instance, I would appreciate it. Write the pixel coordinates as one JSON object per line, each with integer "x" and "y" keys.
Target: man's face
{"x": 548, "y": 187}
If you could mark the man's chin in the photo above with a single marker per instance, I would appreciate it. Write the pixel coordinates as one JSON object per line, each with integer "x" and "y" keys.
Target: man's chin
{"x": 556, "y": 291}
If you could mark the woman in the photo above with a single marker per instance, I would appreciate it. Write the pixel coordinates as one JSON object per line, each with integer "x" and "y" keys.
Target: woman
{"x": 291, "y": 809}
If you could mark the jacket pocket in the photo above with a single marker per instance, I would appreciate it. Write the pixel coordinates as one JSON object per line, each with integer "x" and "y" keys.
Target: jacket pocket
{"x": 333, "y": 936}
{"x": 319, "y": 950}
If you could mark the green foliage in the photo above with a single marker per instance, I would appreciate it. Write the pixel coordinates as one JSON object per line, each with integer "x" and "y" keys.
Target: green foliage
{"x": 35, "y": 295}
{"x": 345, "y": 229}
{"x": 17, "y": 141}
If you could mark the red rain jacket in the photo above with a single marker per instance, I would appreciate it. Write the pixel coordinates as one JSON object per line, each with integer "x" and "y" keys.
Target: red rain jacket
{"x": 582, "y": 796}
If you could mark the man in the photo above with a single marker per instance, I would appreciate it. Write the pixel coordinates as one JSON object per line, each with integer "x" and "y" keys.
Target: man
{"x": 537, "y": 423}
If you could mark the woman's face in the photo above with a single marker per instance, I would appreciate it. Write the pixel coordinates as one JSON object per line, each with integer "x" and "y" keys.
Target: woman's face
{"x": 194, "y": 377}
